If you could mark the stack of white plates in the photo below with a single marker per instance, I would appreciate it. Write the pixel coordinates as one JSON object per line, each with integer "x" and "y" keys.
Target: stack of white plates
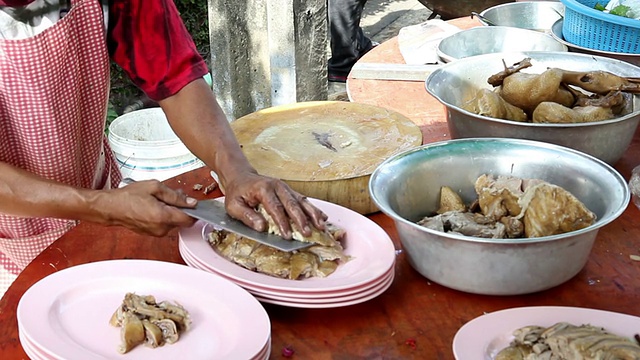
{"x": 368, "y": 273}
{"x": 66, "y": 314}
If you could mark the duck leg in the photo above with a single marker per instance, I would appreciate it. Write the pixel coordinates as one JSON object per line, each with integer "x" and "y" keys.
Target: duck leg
{"x": 496, "y": 79}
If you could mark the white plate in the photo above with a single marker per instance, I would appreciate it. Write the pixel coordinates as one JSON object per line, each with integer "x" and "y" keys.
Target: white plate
{"x": 66, "y": 314}
{"x": 372, "y": 255}
{"x": 483, "y": 337}
{"x": 268, "y": 292}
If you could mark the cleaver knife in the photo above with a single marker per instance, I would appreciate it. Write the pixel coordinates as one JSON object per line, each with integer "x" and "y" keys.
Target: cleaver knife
{"x": 213, "y": 212}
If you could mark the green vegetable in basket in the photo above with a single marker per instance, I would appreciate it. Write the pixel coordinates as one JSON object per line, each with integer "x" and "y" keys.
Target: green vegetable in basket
{"x": 620, "y": 10}
{"x": 599, "y": 7}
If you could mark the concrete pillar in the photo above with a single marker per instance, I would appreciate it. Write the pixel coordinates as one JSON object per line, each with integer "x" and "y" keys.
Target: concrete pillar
{"x": 267, "y": 52}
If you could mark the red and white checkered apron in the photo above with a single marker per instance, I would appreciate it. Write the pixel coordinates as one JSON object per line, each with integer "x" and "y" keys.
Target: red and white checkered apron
{"x": 54, "y": 89}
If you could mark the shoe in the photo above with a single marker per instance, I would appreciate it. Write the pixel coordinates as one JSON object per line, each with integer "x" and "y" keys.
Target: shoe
{"x": 337, "y": 78}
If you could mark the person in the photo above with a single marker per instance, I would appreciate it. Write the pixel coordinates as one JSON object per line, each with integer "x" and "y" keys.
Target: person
{"x": 347, "y": 40}
{"x": 56, "y": 167}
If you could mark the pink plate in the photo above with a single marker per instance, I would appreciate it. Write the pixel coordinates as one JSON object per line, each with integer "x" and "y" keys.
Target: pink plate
{"x": 483, "y": 337}
{"x": 66, "y": 314}
{"x": 306, "y": 305}
{"x": 268, "y": 292}
{"x": 372, "y": 255}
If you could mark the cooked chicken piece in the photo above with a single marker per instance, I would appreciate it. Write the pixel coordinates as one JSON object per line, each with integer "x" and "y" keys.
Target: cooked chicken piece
{"x": 554, "y": 113}
{"x": 499, "y": 196}
{"x": 450, "y": 201}
{"x": 600, "y": 82}
{"x": 526, "y": 91}
{"x": 514, "y": 228}
{"x": 497, "y": 79}
{"x": 131, "y": 334}
{"x": 303, "y": 265}
{"x": 153, "y": 334}
{"x": 566, "y": 341}
{"x": 465, "y": 223}
{"x": 491, "y": 104}
{"x": 272, "y": 261}
{"x": 317, "y": 236}
{"x": 549, "y": 210}
{"x": 310, "y": 262}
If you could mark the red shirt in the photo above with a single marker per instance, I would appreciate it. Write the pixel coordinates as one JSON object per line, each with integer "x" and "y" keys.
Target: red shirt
{"x": 149, "y": 41}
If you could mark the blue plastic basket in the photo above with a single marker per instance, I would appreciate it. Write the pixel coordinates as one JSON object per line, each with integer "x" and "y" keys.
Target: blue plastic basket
{"x": 590, "y": 28}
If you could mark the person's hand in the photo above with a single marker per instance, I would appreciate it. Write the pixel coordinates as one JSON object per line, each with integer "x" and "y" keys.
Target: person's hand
{"x": 147, "y": 207}
{"x": 244, "y": 194}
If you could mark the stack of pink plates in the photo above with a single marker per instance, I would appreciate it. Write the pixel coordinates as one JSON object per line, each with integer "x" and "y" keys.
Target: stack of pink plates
{"x": 66, "y": 314}
{"x": 367, "y": 274}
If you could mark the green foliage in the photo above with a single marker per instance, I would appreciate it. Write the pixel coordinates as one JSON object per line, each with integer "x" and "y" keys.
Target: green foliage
{"x": 620, "y": 10}
{"x": 194, "y": 13}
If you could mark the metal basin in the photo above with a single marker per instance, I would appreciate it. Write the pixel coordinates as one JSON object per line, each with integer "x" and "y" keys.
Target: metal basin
{"x": 493, "y": 39}
{"x": 456, "y": 82}
{"x": 448, "y": 9}
{"x": 406, "y": 188}
{"x": 531, "y": 15}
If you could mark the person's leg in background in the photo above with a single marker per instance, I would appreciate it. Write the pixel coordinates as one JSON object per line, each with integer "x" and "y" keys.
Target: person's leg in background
{"x": 348, "y": 41}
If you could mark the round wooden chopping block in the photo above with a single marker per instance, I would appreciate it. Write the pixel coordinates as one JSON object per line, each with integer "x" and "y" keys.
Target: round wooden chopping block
{"x": 325, "y": 149}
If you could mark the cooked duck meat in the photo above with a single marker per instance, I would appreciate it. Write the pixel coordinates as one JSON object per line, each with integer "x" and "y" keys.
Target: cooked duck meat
{"x": 450, "y": 201}
{"x": 497, "y": 79}
{"x": 554, "y": 113}
{"x": 600, "y": 82}
{"x": 319, "y": 260}
{"x": 567, "y": 341}
{"x": 491, "y": 104}
{"x": 527, "y": 91}
{"x": 144, "y": 321}
{"x": 511, "y": 207}
{"x": 465, "y": 223}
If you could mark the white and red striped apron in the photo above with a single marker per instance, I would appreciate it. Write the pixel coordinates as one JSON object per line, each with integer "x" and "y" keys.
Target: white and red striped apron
{"x": 54, "y": 89}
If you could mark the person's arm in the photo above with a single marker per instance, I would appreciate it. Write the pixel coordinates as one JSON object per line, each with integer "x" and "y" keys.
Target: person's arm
{"x": 148, "y": 39}
{"x": 147, "y": 207}
{"x": 198, "y": 120}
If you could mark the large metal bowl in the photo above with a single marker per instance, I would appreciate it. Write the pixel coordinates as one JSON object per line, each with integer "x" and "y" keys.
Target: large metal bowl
{"x": 448, "y": 9}
{"x": 492, "y": 39}
{"x": 456, "y": 82}
{"x": 406, "y": 188}
{"x": 531, "y": 15}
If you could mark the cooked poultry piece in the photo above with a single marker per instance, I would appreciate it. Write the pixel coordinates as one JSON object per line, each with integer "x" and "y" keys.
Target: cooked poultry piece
{"x": 144, "y": 321}
{"x": 600, "y": 82}
{"x": 567, "y": 341}
{"x": 319, "y": 260}
{"x": 554, "y": 113}
{"x": 526, "y": 91}
{"x": 465, "y": 223}
{"x": 497, "y": 79}
{"x": 549, "y": 210}
{"x": 498, "y": 197}
{"x": 323, "y": 238}
{"x": 491, "y": 104}
{"x": 450, "y": 201}
{"x": 510, "y": 207}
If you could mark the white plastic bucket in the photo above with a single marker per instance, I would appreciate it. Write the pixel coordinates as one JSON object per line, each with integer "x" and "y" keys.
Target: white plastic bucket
{"x": 146, "y": 147}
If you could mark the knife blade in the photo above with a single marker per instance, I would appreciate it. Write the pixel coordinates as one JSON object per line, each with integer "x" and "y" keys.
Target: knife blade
{"x": 213, "y": 212}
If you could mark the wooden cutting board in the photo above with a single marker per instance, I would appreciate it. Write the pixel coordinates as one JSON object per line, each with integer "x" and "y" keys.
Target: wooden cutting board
{"x": 325, "y": 149}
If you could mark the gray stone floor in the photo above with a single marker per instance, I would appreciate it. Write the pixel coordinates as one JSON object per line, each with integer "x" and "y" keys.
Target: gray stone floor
{"x": 382, "y": 20}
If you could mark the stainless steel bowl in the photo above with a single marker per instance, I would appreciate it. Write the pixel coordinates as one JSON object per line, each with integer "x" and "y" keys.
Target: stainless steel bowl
{"x": 406, "y": 188}
{"x": 493, "y": 39}
{"x": 455, "y": 82}
{"x": 556, "y": 32}
{"x": 532, "y": 15}
{"x": 448, "y": 9}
